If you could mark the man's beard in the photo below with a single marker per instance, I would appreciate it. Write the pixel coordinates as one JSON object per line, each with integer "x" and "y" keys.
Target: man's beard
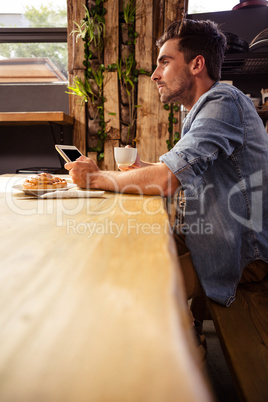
{"x": 182, "y": 91}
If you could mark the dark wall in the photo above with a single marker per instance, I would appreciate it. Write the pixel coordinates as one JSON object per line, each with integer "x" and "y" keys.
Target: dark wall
{"x": 32, "y": 146}
{"x": 34, "y": 97}
{"x": 245, "y": 23}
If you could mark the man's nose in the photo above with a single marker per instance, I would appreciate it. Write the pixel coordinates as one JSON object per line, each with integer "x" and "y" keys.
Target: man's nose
{"x": 155, "y": 76}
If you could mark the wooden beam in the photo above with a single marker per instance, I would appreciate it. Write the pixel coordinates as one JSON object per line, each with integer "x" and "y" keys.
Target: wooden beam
{"x": 111, "y": 55}
{"x": 110, "y": 85}
{"x": 158, "y": 26}
{"x": 76, "y": 13}
{"x": 144, "y": 27}
{"x": 111, "y": 49}
{"x": 109, "y": 162}
{"x": 174, "y": 10}
{"x": 93, "y": 156}
{"x": 79, "y": 114}
{"x": 152, "y": 122}
{"x": 71, "y": 97}
{"x": 70, "y": 42}
{"x": 111, "y": 105}
{"x": 32, "y": 118}
{"x": 152, "y": 118}
{"x": 242, "y": 331}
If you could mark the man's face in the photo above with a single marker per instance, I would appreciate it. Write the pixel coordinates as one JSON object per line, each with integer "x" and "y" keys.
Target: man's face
{"x": 172, "y": 75}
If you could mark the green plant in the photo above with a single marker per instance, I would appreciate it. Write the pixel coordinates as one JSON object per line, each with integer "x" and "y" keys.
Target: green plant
{"x": 129, "y": 10}
{"x": 127, "y": 75}
{"x": 99, "y": 77}
{"x": 173, "y": 136}
{"x": 85, "y": 89}
{"x": 91, "y": 28}
{"x": 81, "y": 89}
{"x": 129, "y": 66}
{"x": 92, "y": 31}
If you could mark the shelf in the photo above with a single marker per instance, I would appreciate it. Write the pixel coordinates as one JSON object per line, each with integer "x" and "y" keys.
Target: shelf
{"x": 245, "y": 63}
{"x": 263, "y": 112}
{"x": 35, "y": 118}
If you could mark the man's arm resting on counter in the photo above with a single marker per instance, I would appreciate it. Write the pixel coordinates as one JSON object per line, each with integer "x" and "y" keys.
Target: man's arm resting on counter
{"x": 156, "y": 179}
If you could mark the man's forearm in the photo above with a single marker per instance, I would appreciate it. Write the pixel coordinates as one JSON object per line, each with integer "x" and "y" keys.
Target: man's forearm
{"x": 154, "y": 179}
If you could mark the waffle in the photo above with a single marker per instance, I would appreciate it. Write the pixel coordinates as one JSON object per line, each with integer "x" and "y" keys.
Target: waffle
{"x": 44, "y": 181}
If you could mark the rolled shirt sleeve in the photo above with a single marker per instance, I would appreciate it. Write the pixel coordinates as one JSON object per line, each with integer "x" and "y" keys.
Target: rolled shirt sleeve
{"x": 211, "y": 129}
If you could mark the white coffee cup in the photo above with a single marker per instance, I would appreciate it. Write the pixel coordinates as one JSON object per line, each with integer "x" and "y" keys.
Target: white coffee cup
{"x": 125, "y": 156}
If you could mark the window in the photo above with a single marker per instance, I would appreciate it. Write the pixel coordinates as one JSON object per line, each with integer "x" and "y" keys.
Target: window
{"x": 208, "y": 6}
{"x": 33, "y": 41}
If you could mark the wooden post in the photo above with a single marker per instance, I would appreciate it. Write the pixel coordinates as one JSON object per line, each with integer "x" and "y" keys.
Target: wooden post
{"x": 174, "y": 10}
{"x": 111, "y": 50}
{"x": 70, "y": 16}
{"x": 152, "y": 119}
{"x": 93, "y": 156}
{"x": 152, "y": 122}
{"x": 158, "y": 25}
{"x": 109, "y": 162}
{"x": 144, "y": 27}
{"x": 111, "y": 105}
{"x": 110, "y": 85}
{"x": 70, "y": 13}
{"x": 79, "y": 114}
{"x": 76, "y": 13}
{"x": 78, "y": 45}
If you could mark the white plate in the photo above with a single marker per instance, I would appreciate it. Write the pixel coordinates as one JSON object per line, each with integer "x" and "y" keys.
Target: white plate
{"x": 73, "y": 194}
{"x": 41, "y": 191}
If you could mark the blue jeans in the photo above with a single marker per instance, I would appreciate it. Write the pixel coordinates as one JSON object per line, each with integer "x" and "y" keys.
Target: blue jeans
{"x": 256, "y": 271}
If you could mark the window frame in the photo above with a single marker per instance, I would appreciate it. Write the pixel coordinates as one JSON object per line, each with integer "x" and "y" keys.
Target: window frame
{"x": 33, "y": 35}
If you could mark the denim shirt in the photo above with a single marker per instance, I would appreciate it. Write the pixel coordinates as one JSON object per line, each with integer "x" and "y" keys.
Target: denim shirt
{"x": 221, "y": 162}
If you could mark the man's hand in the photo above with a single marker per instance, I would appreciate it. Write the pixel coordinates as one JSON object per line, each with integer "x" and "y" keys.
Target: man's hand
{"x": 82, "y": 171}
{"x": 137, "y": 164}
{"x": 152, "y": 179}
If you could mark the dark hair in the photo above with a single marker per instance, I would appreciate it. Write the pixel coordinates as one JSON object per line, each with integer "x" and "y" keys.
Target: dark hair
{"x": 198, "y": 38}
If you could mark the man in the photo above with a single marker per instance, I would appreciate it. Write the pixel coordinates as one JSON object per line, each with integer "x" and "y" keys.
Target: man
{"x": 221, "y": 164}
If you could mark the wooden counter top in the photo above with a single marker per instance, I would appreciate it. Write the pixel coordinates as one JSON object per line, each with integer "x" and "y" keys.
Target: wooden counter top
{"x": 35, "y": 118}
{"x": 92, "y": 302}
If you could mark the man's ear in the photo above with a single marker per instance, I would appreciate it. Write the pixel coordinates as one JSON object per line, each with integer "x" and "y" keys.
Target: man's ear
{"x": 197, "y": 64}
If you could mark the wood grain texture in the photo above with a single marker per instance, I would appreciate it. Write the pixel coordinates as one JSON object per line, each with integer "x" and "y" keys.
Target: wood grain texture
{"x": 110, "y": 87}
{"x": 92, "y": 303}
{"x": 70, "y": 39}
{"x": 79, "y": 115}
{"x": 71, "y": 97}
{"x": 111, "y": 105}
{"x": 243, "y": 331}
{"x": 109, "y": 162}
{"x": 174, "y": 10}
{"x": 111, "y": 49}
{"x": 77, "y": 46}
{"x": 32, "y": 118}
{"x": 158, "y": 25}
{"x": 152, "y": 122}
{"x": 93, "y": 156}
{"x": 112, "y": 127}
{"x": 144, "y": 28}
{"x": 76, "y": 12}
